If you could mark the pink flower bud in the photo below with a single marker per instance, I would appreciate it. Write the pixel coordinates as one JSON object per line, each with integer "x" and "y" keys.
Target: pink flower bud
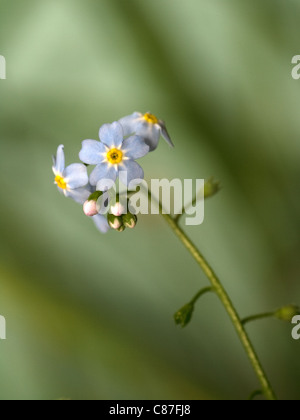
{"x": 90, "y": 208}
{"x": 118, "y": 210}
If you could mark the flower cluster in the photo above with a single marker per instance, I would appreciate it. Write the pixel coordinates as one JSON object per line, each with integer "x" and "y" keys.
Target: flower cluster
{"x": 114, "y": 157}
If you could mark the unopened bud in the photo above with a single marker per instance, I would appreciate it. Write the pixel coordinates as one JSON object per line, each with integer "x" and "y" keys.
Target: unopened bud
{"x": 118, "y": 209}
{"x": 287, "y": 313}
{"x": 129, "y": 220}
{"x": 114, "y": 222}
{"x": 184, "y": 315}
{"x": 211, "y": 188}
{"x": 121, "y": 229}
{"x": 90, "y": 208}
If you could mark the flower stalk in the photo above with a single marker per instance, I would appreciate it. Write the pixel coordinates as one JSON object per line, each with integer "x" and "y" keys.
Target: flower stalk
{"x": 226, "y": 301}
{"x": 114, "y": 157}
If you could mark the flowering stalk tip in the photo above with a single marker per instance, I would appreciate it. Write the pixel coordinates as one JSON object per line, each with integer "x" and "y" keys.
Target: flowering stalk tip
{"x": 211, "y": 187}
{"x": 287, "y": 313}
{"x": 184, "y": 316}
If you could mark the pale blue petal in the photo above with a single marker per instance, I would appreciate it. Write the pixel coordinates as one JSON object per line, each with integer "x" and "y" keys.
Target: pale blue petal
{"x": 150, "y": 133}
{"x": 59, "y": 160}
{"x": 76, "y": 176}
{"x": 92, "y": 152}
{"x": 103, "y": 171}
{"x": 130, "y": 122}
{"x": 135, "y": 147}
{"x": 130, "y": 171}
{"x": 112, "y": 134}
{"x": 165, "y": 134}
{"x": 80, "y": 195}
{"x": 101, "y": 223}
{"x": 136, "y": 124}
{"x": 106, "y": 184}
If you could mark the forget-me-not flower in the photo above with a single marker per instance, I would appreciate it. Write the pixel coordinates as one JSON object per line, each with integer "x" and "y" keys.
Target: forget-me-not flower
{"x": 70, "y": 180}
{"x": 73, "y": 182}
{"x": 147, "y": 126}
{"x": 114, "y": 156}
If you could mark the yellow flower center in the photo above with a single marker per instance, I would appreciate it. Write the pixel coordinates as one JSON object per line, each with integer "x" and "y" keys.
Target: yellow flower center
{"x": 150, "y": 118}
{"x": 61, "y": 183}
{"x": 114, "y": 156}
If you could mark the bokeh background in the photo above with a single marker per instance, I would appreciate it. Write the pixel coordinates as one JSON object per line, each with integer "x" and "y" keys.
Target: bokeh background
{"x": 90, "y": 316}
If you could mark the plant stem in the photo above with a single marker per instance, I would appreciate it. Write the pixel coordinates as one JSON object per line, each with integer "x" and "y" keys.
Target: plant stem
{"x": 255, "y": 394}
{"x": 201, "y": 293}
{"x": 257, "y": 317}
{"x": 223, "y": 296}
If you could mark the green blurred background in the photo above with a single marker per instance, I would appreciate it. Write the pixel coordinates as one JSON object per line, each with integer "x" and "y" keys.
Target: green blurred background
{"x": 90, "y": 316}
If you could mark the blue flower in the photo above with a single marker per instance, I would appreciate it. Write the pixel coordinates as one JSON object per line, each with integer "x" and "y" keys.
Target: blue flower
{"x": 147, "y": 126}
{"x": 73, "y": 182}
{"x": 70, "y": 180}
{"x": 114, "y": 157}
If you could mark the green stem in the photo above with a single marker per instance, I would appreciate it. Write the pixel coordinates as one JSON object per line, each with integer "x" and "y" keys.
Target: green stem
{"x": 201, "y": 293}
{"x": 257, "y": 317}
{"x": 223, "y": 296}
{"x": 255, "y": 394}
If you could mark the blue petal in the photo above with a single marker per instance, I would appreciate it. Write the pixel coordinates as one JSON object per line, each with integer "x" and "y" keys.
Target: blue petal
{"x": 59, "y": 161}
{"x": 105, "y": 184}
{"x": 76, "y": 176}
{"x": 101, "y": 223}
{"x": 92, "y": 152}
{"x": 103, "y": 171}
{"x": 80, "y": 195}
{"x": 150, "y": 132}
{"x": 135, "y": 147}
{"x": 112, "y": 135}
{"x": 130, "y": 171}
{"x": 130, "y": 122}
